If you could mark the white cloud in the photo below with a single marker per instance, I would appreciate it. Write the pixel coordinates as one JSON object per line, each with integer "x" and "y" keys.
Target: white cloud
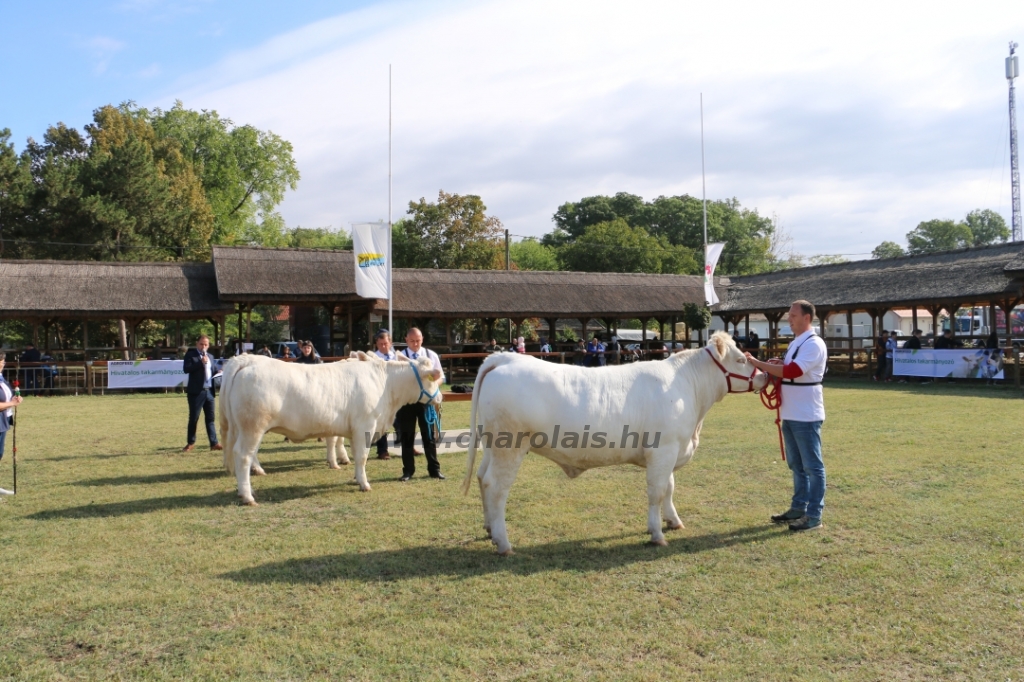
{"x": 851, "y": 124}
{"x": 102, "y": 49}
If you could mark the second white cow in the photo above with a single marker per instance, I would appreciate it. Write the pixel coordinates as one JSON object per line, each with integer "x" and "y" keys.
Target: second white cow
{"x": 648, "y": 414}
{"x": 353, "y": 399}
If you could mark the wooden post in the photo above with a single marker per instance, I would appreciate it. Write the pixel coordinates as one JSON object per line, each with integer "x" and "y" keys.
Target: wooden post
{"x": 746, "y": 324}
{"x": 913, "y": 317}
{"x": 85, "y": 357}
{"x": 552, "y": 331}
{"x": 583, "y": 328}
{"x": 849, "y": 329}
{"x": 248, "y": 324}
{"x": 348, "y": 339}
{"x": 448, "y": 333}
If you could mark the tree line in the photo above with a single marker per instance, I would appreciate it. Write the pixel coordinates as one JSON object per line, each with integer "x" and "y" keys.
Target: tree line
{"x": 980, "y": 227}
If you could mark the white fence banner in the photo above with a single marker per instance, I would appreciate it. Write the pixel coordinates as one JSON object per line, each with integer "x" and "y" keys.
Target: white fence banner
{"x": 145, "y": 374}
{"x": 957, "y": 363}
{"x": 373, "y": 262}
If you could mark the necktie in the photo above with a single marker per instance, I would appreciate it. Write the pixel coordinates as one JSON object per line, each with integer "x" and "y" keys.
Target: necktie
{"x": 415, "y": 356}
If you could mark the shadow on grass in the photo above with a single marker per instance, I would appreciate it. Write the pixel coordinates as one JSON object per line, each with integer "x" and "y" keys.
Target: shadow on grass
{"x": 154, "y": 478}
{"x": 68, "y": 458}
{"x": 155, "y": 504}
{"x": 940, "y": 387}
{"x": 430, "y": 561}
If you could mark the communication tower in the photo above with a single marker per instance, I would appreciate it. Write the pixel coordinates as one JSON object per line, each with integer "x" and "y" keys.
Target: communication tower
{"x": 1013, "y": 71}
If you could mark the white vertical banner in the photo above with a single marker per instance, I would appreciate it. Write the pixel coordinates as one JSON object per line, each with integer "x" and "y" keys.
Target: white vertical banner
{"x": 711, "y": 254}
{"x": 373, "y": 260}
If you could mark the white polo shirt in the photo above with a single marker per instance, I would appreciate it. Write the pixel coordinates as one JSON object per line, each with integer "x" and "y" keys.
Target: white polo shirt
{"x": 805, "y": 403}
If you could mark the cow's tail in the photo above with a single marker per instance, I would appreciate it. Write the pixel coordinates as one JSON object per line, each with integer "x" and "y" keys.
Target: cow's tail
{"x": 490, "y": 363}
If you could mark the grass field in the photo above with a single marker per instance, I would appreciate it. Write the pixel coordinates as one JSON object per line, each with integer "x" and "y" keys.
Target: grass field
{"x": 122, "y": 558}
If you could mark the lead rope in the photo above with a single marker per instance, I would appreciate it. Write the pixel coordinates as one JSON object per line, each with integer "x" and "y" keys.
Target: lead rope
{"x": 771, "y": 397}
{"x": 431, "y": 415}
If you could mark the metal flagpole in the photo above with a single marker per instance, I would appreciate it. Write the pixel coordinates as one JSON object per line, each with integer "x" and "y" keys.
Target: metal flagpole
{"x": 391, "y": 329}
{"x": 703, "y": 185}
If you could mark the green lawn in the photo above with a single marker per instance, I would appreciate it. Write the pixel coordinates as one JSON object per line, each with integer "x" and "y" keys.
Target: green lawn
{"x": 122, "y": 558}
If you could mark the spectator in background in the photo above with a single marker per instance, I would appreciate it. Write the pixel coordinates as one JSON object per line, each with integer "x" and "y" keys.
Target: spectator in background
{"x": 946, "y": 341}
{"x": 595, "y": 352}
{"x": 993, "y": 340}
{"x": 545, "y": 347}
{"x": 880, "y": 344}
{"x": 580, "y": 357}
{"x": 890, "y": 354}
{"x": 492, "y": 347}
{"x": 307, "y": 355}
{"x": 286, "y": 354}
{"x": 754, "y": 344}
{"x": 265, "y": 352}
{"x": 914, "y": 343}
{"x": 520, "y": 345}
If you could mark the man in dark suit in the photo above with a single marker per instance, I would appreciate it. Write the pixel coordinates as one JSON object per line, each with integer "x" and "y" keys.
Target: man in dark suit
{"x": 199, "y": 368}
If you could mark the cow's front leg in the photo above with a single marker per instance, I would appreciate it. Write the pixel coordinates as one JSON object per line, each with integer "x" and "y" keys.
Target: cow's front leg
{"x": 255, "y": 466}
{"x": 334, "y": 444}
{"x": 668, "y": 509}
{"x": 659, "y": 478}
{"x": 341, "y": 452}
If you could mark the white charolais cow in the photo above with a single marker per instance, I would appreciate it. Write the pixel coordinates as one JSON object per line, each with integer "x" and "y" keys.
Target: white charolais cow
{"x": 648, "y": 414}
{"x": 354, "y": 399}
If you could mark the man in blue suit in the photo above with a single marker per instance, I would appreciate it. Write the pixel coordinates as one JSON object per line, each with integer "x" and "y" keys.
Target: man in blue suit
{"x": 199, "y": 368}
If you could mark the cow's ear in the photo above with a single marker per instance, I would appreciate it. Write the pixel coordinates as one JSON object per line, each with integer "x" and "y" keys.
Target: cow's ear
{"x": 435, "y": 375}
{"x": 402, "y": 357}
{"x": 721, "y": 343}
{"x": 363, "y": 357}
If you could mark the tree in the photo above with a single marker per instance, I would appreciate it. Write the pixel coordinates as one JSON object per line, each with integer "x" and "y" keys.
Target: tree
{"x": 679, "y": 220}
{"x": 614, "y": 246}
{"x": 245, "y": 171}
{"x": 454, "y": 233}
{"x": 888, "y": 250}
{"x": 529, "y": 254}
{"x": 938, "y": 235}
{"x": 826, "y": 259}
{"x": 987, "y": 227}
{"x": 696, "y": 317}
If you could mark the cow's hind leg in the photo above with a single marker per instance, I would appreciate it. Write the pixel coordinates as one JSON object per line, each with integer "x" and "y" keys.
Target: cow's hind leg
{"x": 245, "y": 454}
{"x": 668, "y": 509}
{"x": 361, "y": 450}
{"x": 480, "y": 472}
{"x": 255, "y": 466}
{"x": 659, "y": 480}
{"x": 496, "y": 483}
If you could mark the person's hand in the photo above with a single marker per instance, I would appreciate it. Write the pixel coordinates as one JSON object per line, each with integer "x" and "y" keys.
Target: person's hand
{"x": 750, "y": 358}
{"x": 205, "y": 358}
{"x": 16, "y": 400}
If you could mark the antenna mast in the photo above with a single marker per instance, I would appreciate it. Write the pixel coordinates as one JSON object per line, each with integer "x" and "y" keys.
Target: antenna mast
{"x": 703, "y": 186}
{"x": 1013, "y": 71}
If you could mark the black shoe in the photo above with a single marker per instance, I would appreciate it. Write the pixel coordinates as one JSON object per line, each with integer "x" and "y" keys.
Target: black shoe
{"x": 439, "y": 476}
{"x": 791, "y": 515}
{"x": 805, "y": 523}
{"x": 404, "y": 479}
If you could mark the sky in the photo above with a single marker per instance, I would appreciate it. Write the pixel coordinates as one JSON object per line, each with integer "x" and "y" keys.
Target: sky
{"x": 849, "y": 125}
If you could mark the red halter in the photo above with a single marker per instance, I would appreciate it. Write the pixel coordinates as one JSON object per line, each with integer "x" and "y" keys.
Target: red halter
{"x": 729, "y": 376}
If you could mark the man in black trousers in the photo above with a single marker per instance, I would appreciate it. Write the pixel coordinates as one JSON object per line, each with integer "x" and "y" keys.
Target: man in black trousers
{"x": 199, "y": 368}
{"x": 411, "y": 416}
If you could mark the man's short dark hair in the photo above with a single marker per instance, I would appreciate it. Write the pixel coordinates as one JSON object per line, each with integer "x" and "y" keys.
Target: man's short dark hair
{"x": 806, "y": 306}
{"x": 201, "y": 337}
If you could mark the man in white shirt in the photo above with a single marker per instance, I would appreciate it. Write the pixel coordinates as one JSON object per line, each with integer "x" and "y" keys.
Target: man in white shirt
{"x": 802, "y": 411}
{"x": 384, "y": 351}
{"x": 409, "y": 415}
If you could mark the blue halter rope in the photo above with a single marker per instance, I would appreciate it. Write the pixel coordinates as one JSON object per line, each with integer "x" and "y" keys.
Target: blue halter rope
{"x": 430, "y": 414}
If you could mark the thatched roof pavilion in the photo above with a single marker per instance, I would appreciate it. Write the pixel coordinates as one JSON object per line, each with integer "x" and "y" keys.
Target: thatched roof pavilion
{"x": 46, "y": 290}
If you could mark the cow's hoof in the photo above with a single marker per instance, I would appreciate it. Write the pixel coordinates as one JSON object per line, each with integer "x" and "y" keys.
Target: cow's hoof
{"x": 250, "y": 503}
{"x": 658, "y": 543}
{"x": 487, "y": 529}
{"x": 507, "y": 552}
{"x": 673, "y": 526}
{"x": 334, "y": 466}
{"x": 366, "y": 489}
{"x": 346, "y": 463}
{"x": 258, "y": 471}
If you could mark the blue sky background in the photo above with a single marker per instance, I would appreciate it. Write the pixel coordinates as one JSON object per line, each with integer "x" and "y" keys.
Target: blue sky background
{"x": 848, "y": 124}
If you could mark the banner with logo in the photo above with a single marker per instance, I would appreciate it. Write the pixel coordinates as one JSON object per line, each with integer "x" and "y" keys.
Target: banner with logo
{"x": 145, "y": 374}
{"x": 711, "y": 254}
{"x": 957, "y": 363}
{"x": 373, "y": 262}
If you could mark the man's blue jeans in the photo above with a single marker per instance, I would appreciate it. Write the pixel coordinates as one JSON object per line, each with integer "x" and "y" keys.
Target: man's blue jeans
{"x": 803, "y": 454}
